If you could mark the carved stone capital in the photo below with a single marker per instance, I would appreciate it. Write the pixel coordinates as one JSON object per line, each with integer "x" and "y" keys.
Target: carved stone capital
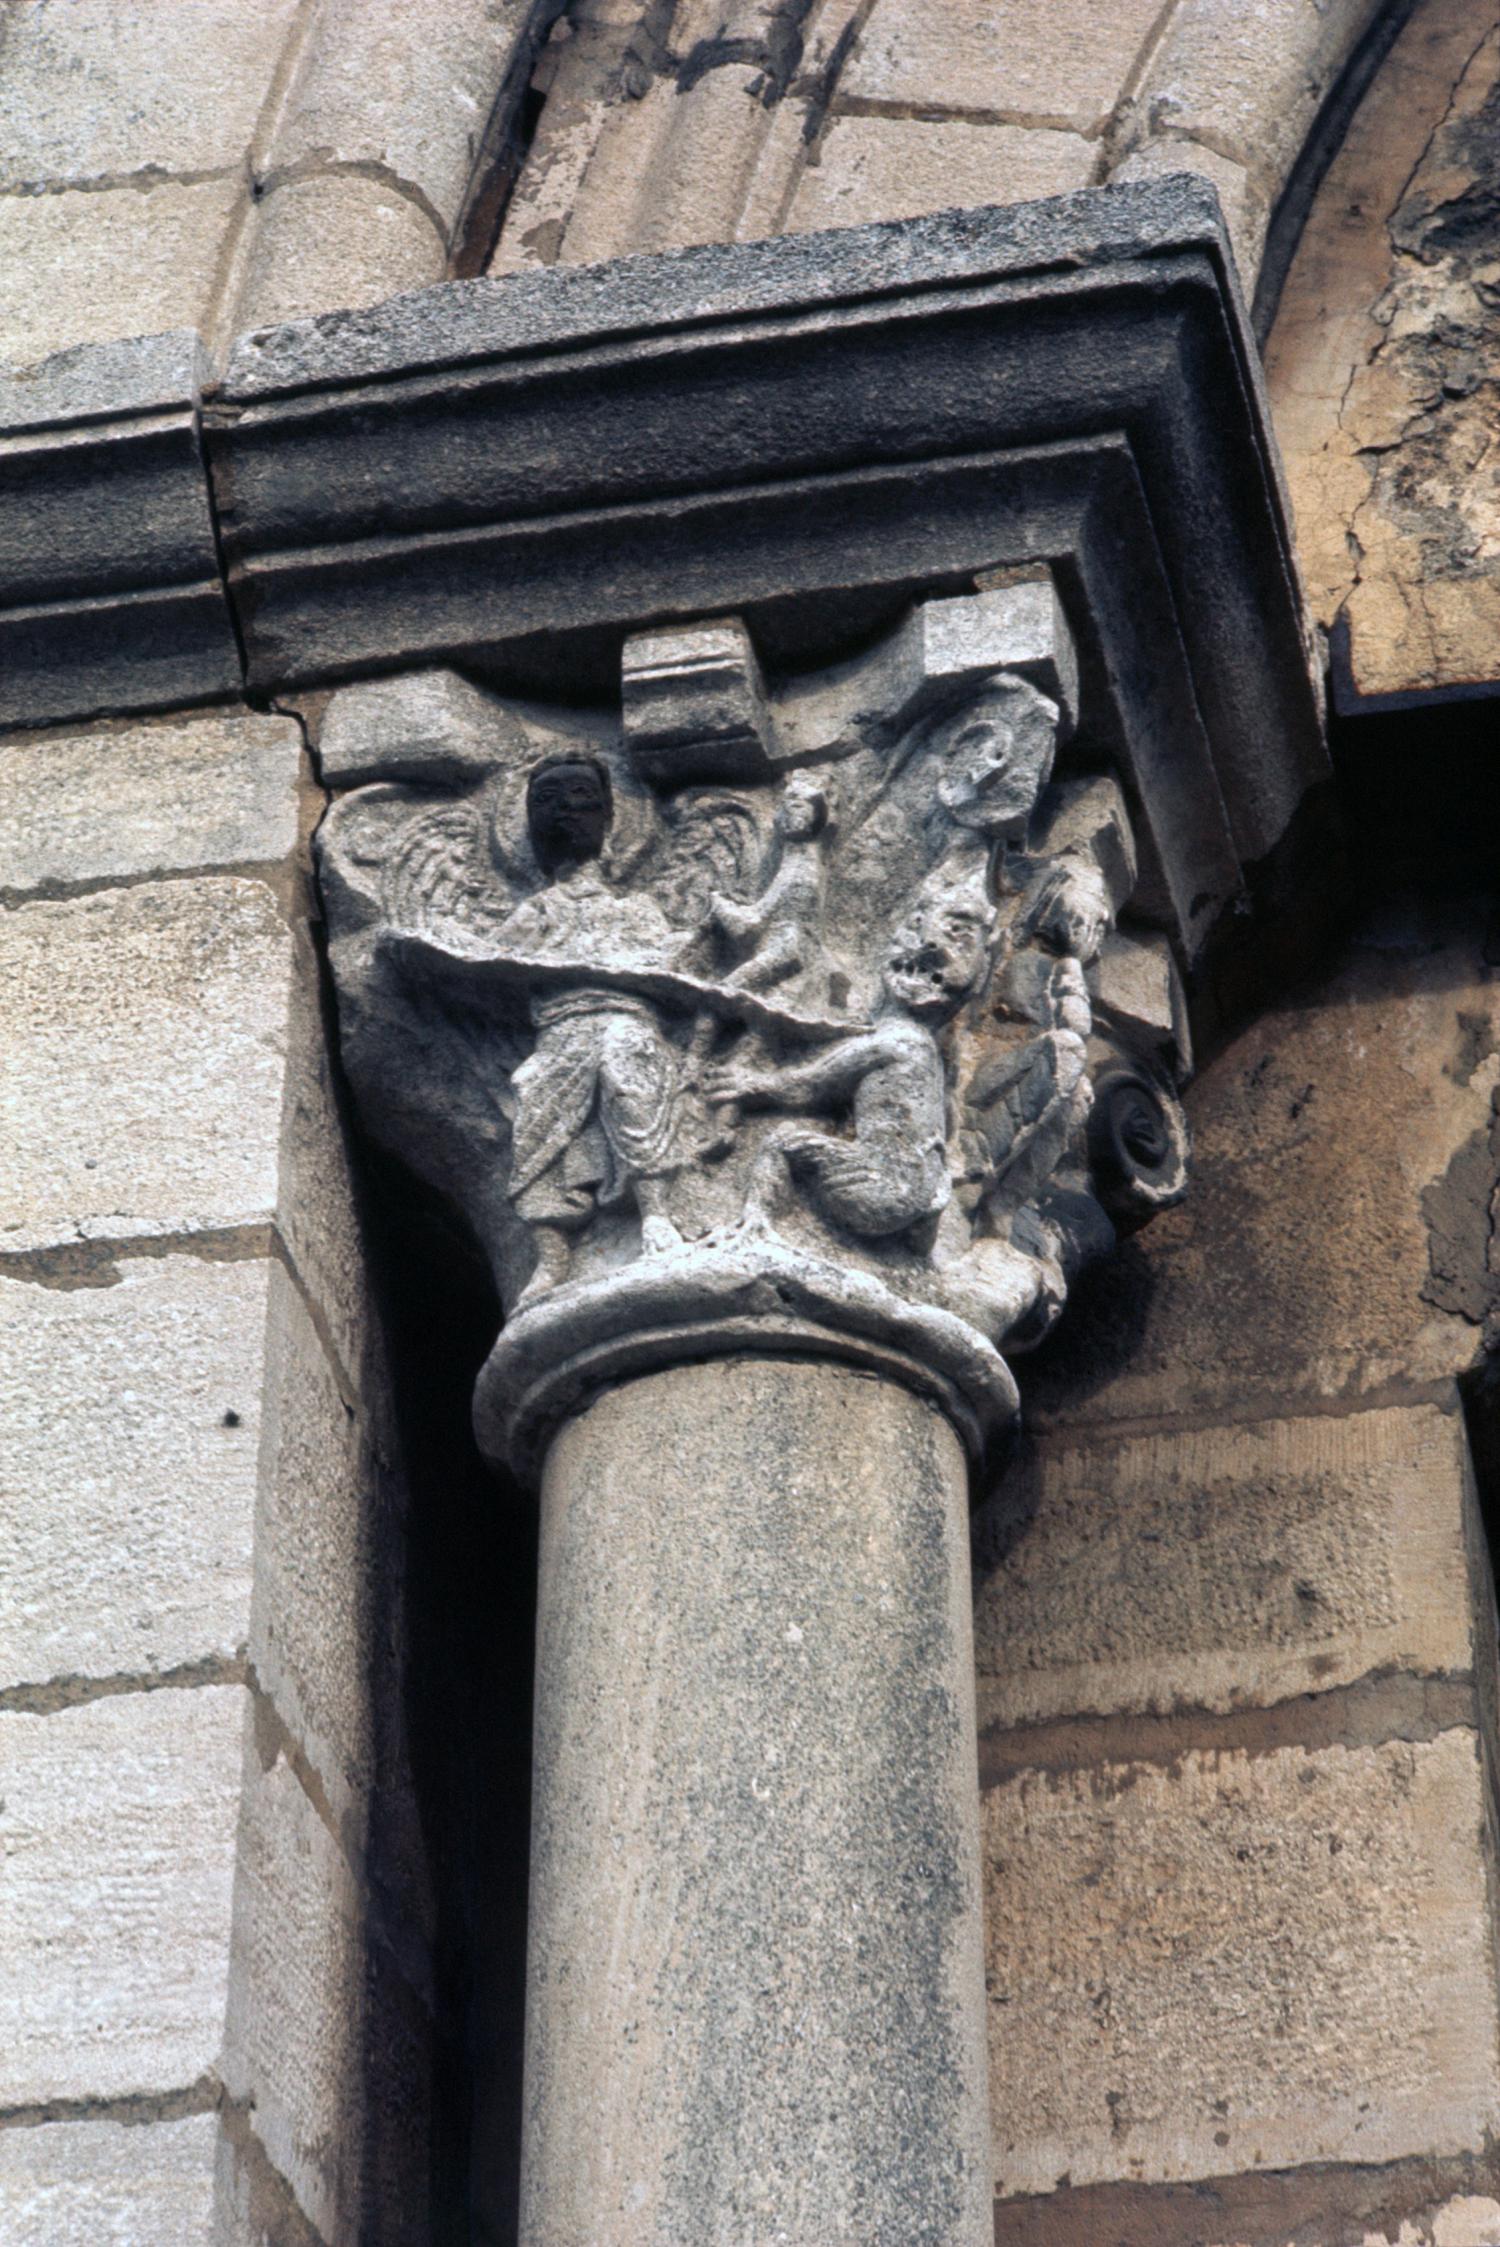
{"x": 797, "y": 1019}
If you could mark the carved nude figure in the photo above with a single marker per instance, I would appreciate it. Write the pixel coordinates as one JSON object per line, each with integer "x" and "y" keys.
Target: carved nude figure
{"x": 601, "y": 1104}
{"x": 890, "y": 1172}
{"x": 779, "y": 925}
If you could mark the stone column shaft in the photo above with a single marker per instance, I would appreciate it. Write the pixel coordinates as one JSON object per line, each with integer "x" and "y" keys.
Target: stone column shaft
{"x": 756, "y": 2000}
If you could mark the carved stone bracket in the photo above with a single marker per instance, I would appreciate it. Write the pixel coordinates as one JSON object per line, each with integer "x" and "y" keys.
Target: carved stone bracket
{"x": 797, "y": 1019}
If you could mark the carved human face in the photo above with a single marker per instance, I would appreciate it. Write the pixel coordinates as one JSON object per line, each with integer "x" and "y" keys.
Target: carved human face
{"x": 994, "y": 757}
{"x": 938, "y": 956}
{"x": 567, "y": 811}
{"x": 804, "y": 807}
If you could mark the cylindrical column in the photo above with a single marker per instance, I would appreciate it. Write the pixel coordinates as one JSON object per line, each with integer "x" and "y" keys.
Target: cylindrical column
{"x": 756, "y": 2001}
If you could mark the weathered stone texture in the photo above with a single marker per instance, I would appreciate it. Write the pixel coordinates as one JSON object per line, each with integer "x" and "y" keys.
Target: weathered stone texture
{"x": 754, "y": 1972}
{"x": 337, "y": 240}
{"x": 882, "y": 167}
{"x": 1343, "y": 1145}
{"x": 132, "y": 1420}
{"x": 1036, "y": 61}
{"x": 1245, "y": 201}
{"x": 120, "y": 1821}
{"x": 109, "y": 2184}
{"x": 292, "y": 2046}
{"x": 155, "y": 797}
{"x": 314, "y": 1579}
{"x": 1240, "y": 1962}
{"x": 402, "y": 90}
{"x": 94, "y": 89}
{"x": 1384, "y": 369}
{"x": 85, "y": 267}
{"x": 174, "y": 995}
{"x": 1245, "y": 77}
{"x": 1230, "y": 1567}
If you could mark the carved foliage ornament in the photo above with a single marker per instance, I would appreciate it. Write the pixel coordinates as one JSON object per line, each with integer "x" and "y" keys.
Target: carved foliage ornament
{"x": 798, "y": 1022}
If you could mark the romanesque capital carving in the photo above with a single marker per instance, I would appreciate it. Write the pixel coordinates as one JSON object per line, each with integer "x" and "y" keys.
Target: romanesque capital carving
{"x": 791, "y": 1021}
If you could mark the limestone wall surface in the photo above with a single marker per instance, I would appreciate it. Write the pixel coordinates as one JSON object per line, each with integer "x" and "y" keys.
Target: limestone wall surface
{"x": 203, "y": 2008}
{"x": 1236, "y": 1678}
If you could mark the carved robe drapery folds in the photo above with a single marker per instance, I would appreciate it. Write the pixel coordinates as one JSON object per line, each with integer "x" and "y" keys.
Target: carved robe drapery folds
{"x": 796, "y": 1021}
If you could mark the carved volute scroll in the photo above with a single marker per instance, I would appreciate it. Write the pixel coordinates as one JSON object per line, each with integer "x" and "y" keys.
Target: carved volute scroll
{"x": 798, "y": 1022}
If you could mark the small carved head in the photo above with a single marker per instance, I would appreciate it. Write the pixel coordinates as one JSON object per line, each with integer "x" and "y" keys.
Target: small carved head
{"x": 941, "y": 951}
{"x": 804, "y": 808}
{"x": 995, "y": 756}
{"x": 569, "y": 805}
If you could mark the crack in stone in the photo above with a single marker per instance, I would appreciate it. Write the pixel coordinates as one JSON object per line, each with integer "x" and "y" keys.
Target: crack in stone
{"x": 58, "y": 890}
{"x": 323, "y": 165}
{"x": 1300, "y": 2207}
{"x": 138, "y": 2109}
{"x": 142, "y": 181}
{"x": 90, "y": 1262}
{"x": 51, "y": 1697}
{"x": 1385, "y": 1705}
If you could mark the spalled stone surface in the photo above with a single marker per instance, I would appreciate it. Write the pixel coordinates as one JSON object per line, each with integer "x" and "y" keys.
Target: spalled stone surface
{"x": 753, "y": 1975}
{"x": 119, "y": 1827}
{"x": 175, "y": 996}
{"x": 153, "y": 797}
{"x": 131, "y": 1418}
{"x": 85, "y": 267}
{"x": 1384, "y": 370}
{"x": 92, "y": 89}
{"x": 109, "y": 2184}
{"x": 292, "y": 2045}
{"x": 1240, "y": 1962}
{"x": 1228, "y": 1567}
{"x": 1360, "y": 1246}
{"x": 1036, "y": 61}
{"x": 335, "y": 238}
{"x": 896, "y": 167}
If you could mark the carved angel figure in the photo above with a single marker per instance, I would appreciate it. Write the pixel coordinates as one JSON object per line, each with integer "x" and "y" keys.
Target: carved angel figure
{"x": 602, "y": 1108}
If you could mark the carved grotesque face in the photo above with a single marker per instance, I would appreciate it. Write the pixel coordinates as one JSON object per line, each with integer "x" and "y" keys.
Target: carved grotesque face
{"x": 939, "y": 955}
{"x": 994, "y": 758}
{"x": 568, "y": 809}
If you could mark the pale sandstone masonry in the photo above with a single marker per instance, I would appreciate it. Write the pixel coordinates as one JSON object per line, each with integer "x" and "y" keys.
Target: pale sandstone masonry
{"x": 194, "y": 1759}
{"x": 652, "y": 137}
{"x": 1236, "y": 1643}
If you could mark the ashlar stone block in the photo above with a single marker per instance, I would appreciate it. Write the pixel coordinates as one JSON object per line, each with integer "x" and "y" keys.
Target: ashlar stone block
{"x": 160, "y": 796}
{"x": 897, "y": 167}
{"x": 119, "y": 1822}
{"x": 1059, "y": 62}
{"x": 1248, "y": 79}
{"x": 1240, "y": 1962}
{"x": 109, "y": 2184}
{"x": 1342, "y": 1143}
{"x": 132, "y": 1421}
{"x": 1221, "y": 1568}
{"x": 292, "y": 2046}
{"x": 174, "y": 997}
{"x": 405, "y": 89}
{"x": 95, "y": 88}
{"x": 315, "y": 1556}
{"x": 335, "y": 240}
{"x": 118, "y": 261}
